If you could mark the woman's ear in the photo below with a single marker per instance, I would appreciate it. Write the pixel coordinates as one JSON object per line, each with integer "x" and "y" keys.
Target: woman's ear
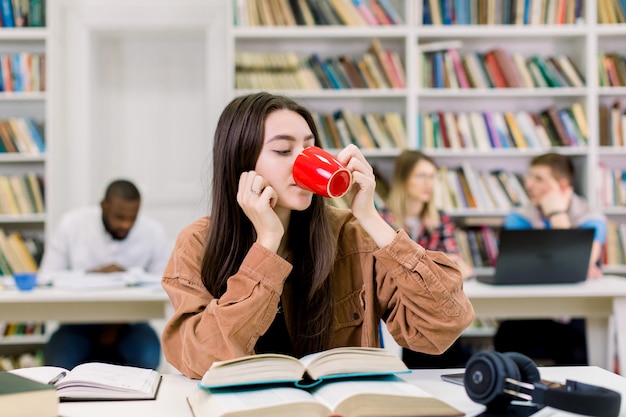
{"x": 564, "y": 184}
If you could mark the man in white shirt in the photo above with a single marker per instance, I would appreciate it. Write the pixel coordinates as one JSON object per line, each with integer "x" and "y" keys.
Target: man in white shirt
{"x": 111, "y": 238}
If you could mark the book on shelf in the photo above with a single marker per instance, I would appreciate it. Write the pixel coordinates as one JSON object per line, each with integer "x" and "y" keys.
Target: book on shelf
{"x": 348, "y": 13}
{"x": 310, "y": 370}
{"x": 366, "y": 12}
{"x": 500, "y": 12}
{"x": 383, "y": 396}
{"x": 97, "y": 381}
{"x": 23, "y": 397}
{"x": 386, "y": 65}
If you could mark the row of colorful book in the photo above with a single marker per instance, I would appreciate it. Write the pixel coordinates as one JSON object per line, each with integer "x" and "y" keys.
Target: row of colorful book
{"x": 478, "y": 246}
{"x": 367, "y": 131}
{"x": 611, "y": 11}
{"x": 614, "y": 250}
{"x": 22, "y": 72}
{"x": 22, "y": 360}
{"x": 22, "y": 13}
{"x": 11, "y": 328}
{"x": 316, "y": 13}
{"x": 465, "y": 187}
{"x": 375, "y": 68}
{"x": 21, "y": 134}
{"x": 495, "y": 68}
{"x": 19, "y": 253}
{"x": 22, "y": 194}
{"x": 612, "y": 124}
{"x": 612, "y": 71}
{"x": 612, "y": 186}
{"x": 500, "y": 130}
{"x": 503, "y": 12}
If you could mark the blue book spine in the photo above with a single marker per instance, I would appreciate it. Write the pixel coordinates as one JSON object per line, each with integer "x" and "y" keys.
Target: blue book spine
{"x": 16, "y": 72}
{"x": 427, "y": 18}
{"x": 438, "y": 69}
{"x": 461, "y": 12}
{"x": 447, "y": 9}
{"x": 391, "y": 12}
{"x": 578, "y": 10}
{"x": 420, "y": 134}
{"x": 334, "y": 81}
{"x": 569, "y": 128}
{"x": 6, "y": 9}
{"x": 494, "y": 139}
{"x": 526, "y": 11}
{"x": 36, "y": 135}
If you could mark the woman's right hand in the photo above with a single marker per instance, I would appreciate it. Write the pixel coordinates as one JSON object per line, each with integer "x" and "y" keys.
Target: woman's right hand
{"x": 257, "y": 200}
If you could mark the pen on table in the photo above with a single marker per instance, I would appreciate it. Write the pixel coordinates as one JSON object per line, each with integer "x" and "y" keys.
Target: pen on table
{"x": 57, "y": 378}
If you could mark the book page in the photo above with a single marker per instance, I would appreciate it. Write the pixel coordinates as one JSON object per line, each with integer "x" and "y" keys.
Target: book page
{"x": 125, "y": 377}
{"x": 261, "y": 398}
{"x": 382, "y": 397}
{"x": 334, "y": 393}
{"x": 253, "y": 369}
{"x": 43, "y": 374}
{"x": 274, "y": 402}
{"x": 352, "y": 360}
{"x": 104, "y": 380}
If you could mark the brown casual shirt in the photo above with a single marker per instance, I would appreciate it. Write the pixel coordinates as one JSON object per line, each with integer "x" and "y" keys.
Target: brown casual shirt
{"x": 419, "y": 292}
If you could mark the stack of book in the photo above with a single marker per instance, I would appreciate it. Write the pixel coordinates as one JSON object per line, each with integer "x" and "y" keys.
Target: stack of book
{"x": 344, "y": 381}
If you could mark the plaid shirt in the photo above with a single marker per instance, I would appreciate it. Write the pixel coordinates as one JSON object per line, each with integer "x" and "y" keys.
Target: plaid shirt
{"x": 440, "y": 239}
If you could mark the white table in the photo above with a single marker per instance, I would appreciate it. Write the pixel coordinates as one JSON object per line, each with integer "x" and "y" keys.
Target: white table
{"x": 82, "y": 306}
{"x": 171, "y": 399}
{"x": 602, "y": 302}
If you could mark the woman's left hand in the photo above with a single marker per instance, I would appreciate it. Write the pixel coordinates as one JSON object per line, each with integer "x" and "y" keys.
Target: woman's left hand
{"x": 361, "y": 196}
{"x": 361, "y": 193}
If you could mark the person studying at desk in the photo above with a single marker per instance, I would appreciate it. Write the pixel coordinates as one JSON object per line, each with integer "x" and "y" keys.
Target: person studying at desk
{"x": 111, "y": 238}
{"x": 549, "y": 185}
{"x": 291, "y": 274}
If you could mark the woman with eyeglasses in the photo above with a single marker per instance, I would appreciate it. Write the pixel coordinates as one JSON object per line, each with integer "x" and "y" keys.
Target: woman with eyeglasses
{"x": 410, "y": 206}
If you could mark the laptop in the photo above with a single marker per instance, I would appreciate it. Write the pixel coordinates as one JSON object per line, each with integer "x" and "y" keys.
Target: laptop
{"x": 542, "y": 256}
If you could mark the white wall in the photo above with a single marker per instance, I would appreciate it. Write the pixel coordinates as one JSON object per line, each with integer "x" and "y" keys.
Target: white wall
{"x": 136, "y": 88}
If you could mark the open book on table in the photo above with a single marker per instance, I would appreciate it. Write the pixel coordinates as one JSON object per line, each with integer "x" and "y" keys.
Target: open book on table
{"x": 97, "y": 381}
{"x": 270, "y": 368}
{"x": 375, "y": 396}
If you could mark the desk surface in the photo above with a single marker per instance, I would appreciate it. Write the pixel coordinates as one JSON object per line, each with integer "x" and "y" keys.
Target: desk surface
{"x": 73, "y": 306}
{"x": 171, "y": 399}
{"x": 607, "y": 286}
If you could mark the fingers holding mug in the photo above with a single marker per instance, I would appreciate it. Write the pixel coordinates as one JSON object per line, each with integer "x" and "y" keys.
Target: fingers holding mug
{"x": 321, "y": 173}
{"x": 353, "y": 158}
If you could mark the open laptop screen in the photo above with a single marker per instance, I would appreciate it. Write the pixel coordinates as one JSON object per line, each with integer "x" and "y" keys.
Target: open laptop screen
{"x": 542, "y": 256}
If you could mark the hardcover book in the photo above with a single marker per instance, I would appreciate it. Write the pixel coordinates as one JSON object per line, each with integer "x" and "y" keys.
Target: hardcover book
{"x": 97, "y": 381}
{"x": 23, "y": 397}
{"x": 310, "y": 370}
{"x": 383, "y": 396}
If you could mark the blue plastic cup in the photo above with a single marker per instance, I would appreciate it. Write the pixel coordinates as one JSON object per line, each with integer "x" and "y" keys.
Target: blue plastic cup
{"x": 25, "y": 281}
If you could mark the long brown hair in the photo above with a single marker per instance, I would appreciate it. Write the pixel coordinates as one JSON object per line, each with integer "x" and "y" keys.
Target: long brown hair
{"x": 404, "y": 165}
{"x": 236, "y": 147}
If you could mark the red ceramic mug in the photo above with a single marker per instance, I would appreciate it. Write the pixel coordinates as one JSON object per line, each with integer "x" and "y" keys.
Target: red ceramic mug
{"x": 320, "y": 172}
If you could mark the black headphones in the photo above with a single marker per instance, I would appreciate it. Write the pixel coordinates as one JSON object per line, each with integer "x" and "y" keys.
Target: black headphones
{"x": 495, "y": 379}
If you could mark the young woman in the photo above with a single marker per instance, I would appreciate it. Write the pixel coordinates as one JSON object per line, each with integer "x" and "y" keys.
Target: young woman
{"x": 276, "y": 269}
{"x": 410, "y": 206}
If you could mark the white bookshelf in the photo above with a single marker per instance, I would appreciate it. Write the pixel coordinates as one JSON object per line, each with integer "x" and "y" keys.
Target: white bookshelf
{"x": 23, "y": 104}
{"x": 582, "y": 42}
{"x": 32, "y": 105}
